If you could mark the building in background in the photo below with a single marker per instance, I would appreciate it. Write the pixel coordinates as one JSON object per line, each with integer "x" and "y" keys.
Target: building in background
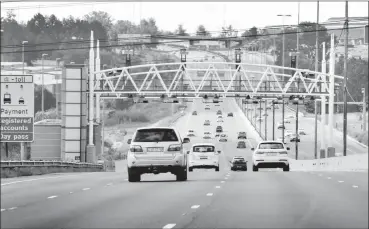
{"x": 357, "y": 32}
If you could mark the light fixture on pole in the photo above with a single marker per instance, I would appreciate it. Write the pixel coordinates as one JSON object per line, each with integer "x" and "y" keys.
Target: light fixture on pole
{"x": 43, "y": 84}
{"x": 57, "y": 61}
{"x": 23, "y": 43}
{"x": 283, "y": 40}
{"x": 238, "y": 54}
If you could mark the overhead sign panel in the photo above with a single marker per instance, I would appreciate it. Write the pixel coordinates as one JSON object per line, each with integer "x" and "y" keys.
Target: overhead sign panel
{"x": 17, "y": 108}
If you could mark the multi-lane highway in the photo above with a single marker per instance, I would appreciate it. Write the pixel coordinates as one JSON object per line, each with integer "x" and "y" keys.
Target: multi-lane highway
{"x": 209, "y": 199}
{"x": 306, "y": 146}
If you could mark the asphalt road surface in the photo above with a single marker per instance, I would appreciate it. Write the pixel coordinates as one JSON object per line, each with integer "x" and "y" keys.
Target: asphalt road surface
{"x": 209, "y": 199}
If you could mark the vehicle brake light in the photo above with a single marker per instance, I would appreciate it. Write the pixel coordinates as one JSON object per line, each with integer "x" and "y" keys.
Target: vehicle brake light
{"x": 175, "y": 148}
{"x": 136, "y": 149}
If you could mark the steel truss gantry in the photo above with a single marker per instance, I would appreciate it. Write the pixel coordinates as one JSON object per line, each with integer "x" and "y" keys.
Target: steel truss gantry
{"x": 190, "y": 79}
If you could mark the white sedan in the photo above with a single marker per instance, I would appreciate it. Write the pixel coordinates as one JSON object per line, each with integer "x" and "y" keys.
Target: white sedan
{"x": 270, "y": 154}
{"x": 223, "y": 138}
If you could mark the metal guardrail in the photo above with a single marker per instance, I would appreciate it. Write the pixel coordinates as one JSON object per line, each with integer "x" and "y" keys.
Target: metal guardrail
{"x": 48, "y": 163}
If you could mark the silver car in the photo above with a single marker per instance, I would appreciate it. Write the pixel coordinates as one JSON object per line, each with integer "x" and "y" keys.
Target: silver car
{"x": 156, "y": 150}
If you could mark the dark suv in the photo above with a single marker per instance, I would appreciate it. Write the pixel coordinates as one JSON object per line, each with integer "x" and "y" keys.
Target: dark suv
{"x": 242, "y": 135}
{"x": 230, "y": 115}
{"x": 219, "y": 129}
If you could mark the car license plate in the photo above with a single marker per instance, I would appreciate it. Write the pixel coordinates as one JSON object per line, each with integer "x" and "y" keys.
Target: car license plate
{"x": 155, "y": 149}
{"x": 272, "y": 154}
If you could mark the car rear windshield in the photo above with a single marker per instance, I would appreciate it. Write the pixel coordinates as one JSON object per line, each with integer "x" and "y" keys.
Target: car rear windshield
{"x": 203, "y": 149}
{"x": 271, "y": 145}
{"x": 156, "y": 135}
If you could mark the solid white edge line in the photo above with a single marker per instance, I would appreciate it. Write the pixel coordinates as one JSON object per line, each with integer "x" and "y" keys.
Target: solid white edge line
{"x": 52, "y": 197}
{"x": 168, "y": 226}
{"x": 195, "y": 206}
{"x": 43, "y": 178}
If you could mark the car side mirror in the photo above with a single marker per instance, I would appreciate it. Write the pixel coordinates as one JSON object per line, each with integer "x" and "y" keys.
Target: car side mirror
{"x": 288, "y": 148}
{"x": 129, "y": 141}
{"x": 186, "y": 140}
{"x": 188, "y": 152}
{"x": 252, "y": 148}
{"x": 219, "y": 152}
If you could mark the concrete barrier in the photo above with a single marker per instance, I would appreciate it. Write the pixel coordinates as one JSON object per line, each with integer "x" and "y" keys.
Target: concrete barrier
{"x": 109, "y": 166}
{"x": 29, "y": 168}
{"x": 348, "y": 163}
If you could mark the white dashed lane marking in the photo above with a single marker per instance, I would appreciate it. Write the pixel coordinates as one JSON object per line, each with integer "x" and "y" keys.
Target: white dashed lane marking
{"x": 85, "y": 189}
{"x": 209, "y": 194}
{"x": 217, "y": 186}
{"x": 168, "y": 226}
{"x": 70, "y": 192}
{"x": 329, "y": 178}
{"x": 195, "y": 206}
{"x": 340, "y": 181}
{"x": 222, "y": 181}
{"x": 13, "y": 208}
{"x": 355, "y": 186}
{"x": 2, "y": 209}
{"x": 52, "y": 197}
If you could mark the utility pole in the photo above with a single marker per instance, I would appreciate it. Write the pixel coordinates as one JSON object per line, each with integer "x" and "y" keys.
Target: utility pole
{"x": 345, "y": 85}
{"x": 297, "y": 34}
{"x": 265, "y": 124}
{"x": 273, "y": 118}
{"x": 317, "y": 39}
{"x": 316, "y": 131}
{"x": 364, "y": 109}
{"x": 283, "y": 119}
{"x": 260, "y": 118}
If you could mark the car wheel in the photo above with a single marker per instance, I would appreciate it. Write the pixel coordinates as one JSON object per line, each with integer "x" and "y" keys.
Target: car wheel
{"x": 217, "y": 169}
{"x": 190, "y": 169}
{"x": 255, "y": 168}
{"x": 182, "y": 175}
{"x": 286, "y": 168}
{"x": 133, "y": 176}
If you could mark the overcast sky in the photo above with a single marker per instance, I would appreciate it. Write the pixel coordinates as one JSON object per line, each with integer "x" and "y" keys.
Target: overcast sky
{"x": 213, "y": 15}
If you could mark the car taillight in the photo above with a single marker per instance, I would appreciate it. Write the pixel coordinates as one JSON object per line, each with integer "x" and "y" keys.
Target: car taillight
{"x": 283, "y": 153}
{"x": 175, "y": 148}
{"x": 136, "y": 149}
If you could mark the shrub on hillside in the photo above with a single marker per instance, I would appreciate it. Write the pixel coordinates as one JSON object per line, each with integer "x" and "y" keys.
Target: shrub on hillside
{"x": 49, "y": 114}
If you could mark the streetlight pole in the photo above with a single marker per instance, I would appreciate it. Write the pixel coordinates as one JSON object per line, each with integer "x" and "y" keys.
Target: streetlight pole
{"x": 43, "y": 85}
{"x": 345, "y": 85}
{"x": 23, "y": 43}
